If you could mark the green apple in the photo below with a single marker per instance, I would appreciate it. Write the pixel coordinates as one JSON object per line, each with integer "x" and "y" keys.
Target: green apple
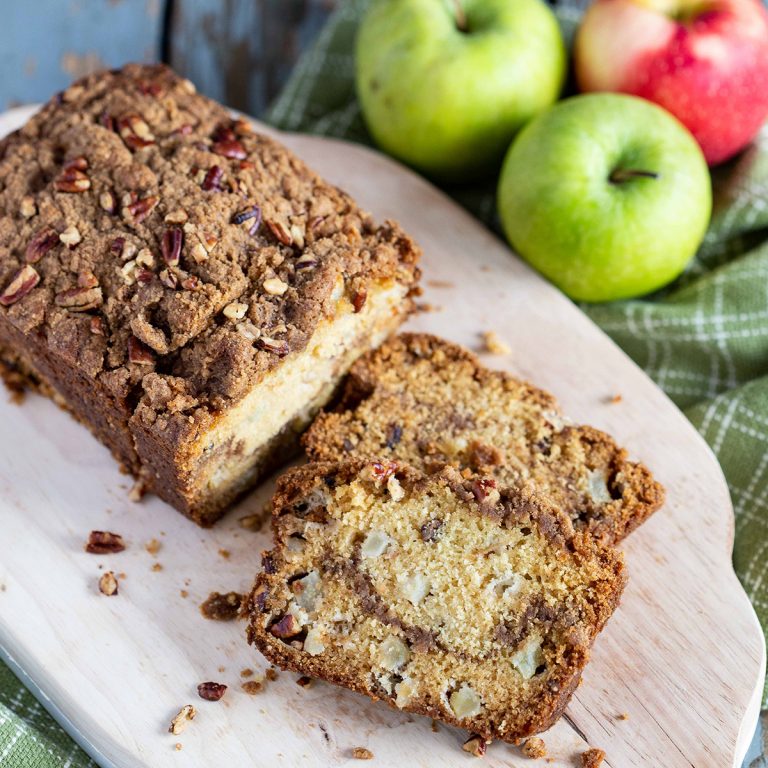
{"x": 444, "y": 86}
{"x": 606, "y": 195}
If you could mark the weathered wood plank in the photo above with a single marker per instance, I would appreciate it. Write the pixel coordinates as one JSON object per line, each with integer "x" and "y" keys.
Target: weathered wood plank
{"x": 241, "y": 51}
{"x": 47, "y": 43}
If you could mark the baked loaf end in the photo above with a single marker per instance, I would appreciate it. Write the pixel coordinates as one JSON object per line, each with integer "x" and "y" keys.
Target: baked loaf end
{"x": 438, "y": 594}
{"x": 428, "y": 402}
{"x": 187, "y": 287}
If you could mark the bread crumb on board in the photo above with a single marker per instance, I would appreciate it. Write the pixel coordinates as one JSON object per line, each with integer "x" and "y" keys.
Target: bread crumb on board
{"x": 534, "y": 748}
{"x": 108, "y": 584}
{"x": 476, "y": 745}
{"x": 592, "y": 758}
{"x": 361, "y": 753}
{"x": 252, "y": 687}
{"x": 495, "y": 344}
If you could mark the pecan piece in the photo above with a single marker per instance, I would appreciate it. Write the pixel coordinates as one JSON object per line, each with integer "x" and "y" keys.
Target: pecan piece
{"x": 222, "y": 607}
{"x": 431, "y": 530}
{"x": 40, "y": 244}
{"x": 97, "y": 326}
{"x": 211, "y": 691}
{"x": 108, "y": 584}
{"x": 383, "y": 470}
{"x": 475, "y": 745}
{"x": 135, "y": 132}
{"x": 212, "y": 180}
{"x": 21, "y": 284}
{"x": 231, "y": 148}
{"x": 287, "y": 626}
{"x": 253, "y": 213}
{"x": 169, "y": 279}
{"x": 358, "y": 299}
{"x": 140, "y": 209}
{"x": 72, "y": 177}
{"x": 279, "y": 347}
{"x": 482, "y": 488}
{"x": 104, "y": 543}
{"x": 179, "y": 723}
{"x": 139, "y": 353}
{"x": 280, "y": 232}
{"x": 79, "y": 299}
{"x": 173, "y": 239}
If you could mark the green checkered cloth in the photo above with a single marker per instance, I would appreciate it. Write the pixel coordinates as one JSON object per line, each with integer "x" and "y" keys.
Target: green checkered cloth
{"x": 704, "y": 340}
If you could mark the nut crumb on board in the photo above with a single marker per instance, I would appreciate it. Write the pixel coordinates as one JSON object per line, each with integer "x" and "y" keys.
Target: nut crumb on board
{"x": 592, "y": 758}
{"x": 614, "y": 399}
{"x": 435, "y": 726}
{"x": 153, "y": 546}
{"x": 184, "y": 593}
{"x": 246, "y": 672}
{"x": 178, "y": 746}
{"x": 156, "y": 567}
{"x": 361, "y": 753}
{"x": 180, "y": 722}
{"x": 108, "y": 584}
{"x": 225, "y": 553}
{"x": 252, "y": 687}
{"x": 137, "y": 491}
{"x": 622, "y": 716}
{"x": 271, "y": 674}
{"x": 252, "y": 522}
{"x": 476, "y": 745}
{"x": 222, "y": 607}
{"x": 104, "y": 543}
{"x": 494, "y": 343}
{"x": 535, "y": 748}
{"x": 304, "y": 681}
{"x": 211, "y": 691}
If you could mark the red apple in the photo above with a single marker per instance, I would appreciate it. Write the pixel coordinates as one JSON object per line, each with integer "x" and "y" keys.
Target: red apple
{"x": 706, "y": 61}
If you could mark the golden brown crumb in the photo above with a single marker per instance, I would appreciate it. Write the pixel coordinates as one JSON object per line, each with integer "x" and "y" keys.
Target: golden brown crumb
{"x": 224, "y": 553}
{"x": 476, "y": 745}
{"x": 184, "y": 593}
{"x": 137, "y": 491}
{"x": 271, "y": 674}
{"x": 157, "y": 567}
{"x": 222, "y": 669}
{"x": 592, "y": 758}
{"x": 252, "y": 687}
{"x": 435, "y": 726}
{"x": 494, "y": 344}
{"x": 252, "y": 522}
{"x": 108, "y": 584}
{"x": 361, "y": 753}
{"x": 180, "y": 722}
{"x": 623, "y": 716}
{"x": 153, "y": 546}
{"x": 177, "y": 746}
{"x": 246, "y": 673}
{"x": 304, "y": 681}
{"x": 615, "y": 399}
{"x": 121, "y": 575}
{"x": 535, "y": 748}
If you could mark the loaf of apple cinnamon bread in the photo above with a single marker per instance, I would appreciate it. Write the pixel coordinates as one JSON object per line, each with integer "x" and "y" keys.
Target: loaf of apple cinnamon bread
{"x": 428, "y": 402}
{"x": 183, "y": 284}
{"x": 441, "y": 595}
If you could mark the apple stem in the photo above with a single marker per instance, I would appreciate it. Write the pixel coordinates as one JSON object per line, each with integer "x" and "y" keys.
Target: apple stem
{"x": 620, "y": 175}
{"x": 461, "y": 17}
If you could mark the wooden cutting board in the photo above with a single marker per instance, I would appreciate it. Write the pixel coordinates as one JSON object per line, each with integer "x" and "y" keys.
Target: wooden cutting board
{"x": 683, "y": 658}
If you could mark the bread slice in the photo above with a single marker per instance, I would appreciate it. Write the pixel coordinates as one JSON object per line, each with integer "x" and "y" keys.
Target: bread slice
{"x": 428, "y": 402}
{"x": 441, "y": 595}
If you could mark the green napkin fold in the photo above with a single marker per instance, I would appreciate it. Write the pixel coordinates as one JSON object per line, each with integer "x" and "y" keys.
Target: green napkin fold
{"x": 704, "y": 340}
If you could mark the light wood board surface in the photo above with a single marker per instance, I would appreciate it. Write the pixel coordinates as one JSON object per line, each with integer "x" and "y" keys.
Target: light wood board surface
{"x": 683, "y": 657}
